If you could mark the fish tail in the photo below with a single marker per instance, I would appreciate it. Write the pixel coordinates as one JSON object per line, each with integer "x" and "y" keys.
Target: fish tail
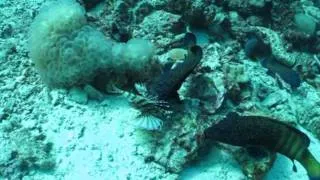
{"x": 295, "y": 146}
{"x": 311, "y": 164}
{"x": 292, "y": 143}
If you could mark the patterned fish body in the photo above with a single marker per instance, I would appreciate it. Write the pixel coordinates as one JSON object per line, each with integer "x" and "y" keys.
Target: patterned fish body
{"x": 167, "y": 85}
{"x": 147, "y": 104}
{"x": 150, "y": 108}
{"x": 268, "y": 133}
{"x": 287, "y": 74}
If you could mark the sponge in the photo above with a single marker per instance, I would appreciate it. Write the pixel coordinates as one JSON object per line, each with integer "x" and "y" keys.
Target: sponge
{"x": 135, "y": 55}
{"x": 65, "y": 50}
{"x": 68, "y": 52}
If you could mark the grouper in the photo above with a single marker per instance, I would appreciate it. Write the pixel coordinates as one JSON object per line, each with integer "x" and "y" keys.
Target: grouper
{"x": 271, "y": 134}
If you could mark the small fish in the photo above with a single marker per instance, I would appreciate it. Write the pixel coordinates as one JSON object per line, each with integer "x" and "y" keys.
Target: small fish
{"x": 287, "y": 74}
{"x": 187, "y": 41}
{"x": 268, "y": 133}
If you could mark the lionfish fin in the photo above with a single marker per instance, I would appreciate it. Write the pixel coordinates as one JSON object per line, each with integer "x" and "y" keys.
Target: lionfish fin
{"x": 113, "y": 89}
{"x": 148, "y": 122}
{"x": 141, "y": 89}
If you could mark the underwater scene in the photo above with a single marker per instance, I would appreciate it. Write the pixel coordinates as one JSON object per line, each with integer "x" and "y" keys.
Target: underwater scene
{"x": 160, "y": 89}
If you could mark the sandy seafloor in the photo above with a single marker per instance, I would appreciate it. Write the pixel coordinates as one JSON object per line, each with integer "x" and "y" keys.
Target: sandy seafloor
{"x": 91, "y": 140}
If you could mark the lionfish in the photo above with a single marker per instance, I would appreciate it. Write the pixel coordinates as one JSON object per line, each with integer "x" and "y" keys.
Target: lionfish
{"x": 152, "y": 110}
{"x": 152, "y": 99}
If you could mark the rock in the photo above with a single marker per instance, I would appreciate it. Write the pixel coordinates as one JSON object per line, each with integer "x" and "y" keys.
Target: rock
{"x": 2, "y": 114}
{"x": 26, "y": 91}
{"x": 78, "y": 95}
{"x": 166, "y": 23}
{"x": 274, "y": 99}
{"x": 93, "y": 93}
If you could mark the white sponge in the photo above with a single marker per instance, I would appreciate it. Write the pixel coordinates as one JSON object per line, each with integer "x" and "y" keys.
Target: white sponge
{"x": 135, "y": 55}
{"x": 68, "y": 52}
{"x": 65, "y": 50}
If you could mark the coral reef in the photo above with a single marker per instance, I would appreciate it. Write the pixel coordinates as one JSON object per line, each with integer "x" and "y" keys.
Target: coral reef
{"x": 66, "y": 51}
{"x": 91, "y": 125}
{"x": 26, "y": 150}
{"x": 255, "y": 161}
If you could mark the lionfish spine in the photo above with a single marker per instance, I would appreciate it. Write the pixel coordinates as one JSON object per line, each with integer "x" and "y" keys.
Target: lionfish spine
{"x": 136, "y": 100}
{"x": 147, "y": 104}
